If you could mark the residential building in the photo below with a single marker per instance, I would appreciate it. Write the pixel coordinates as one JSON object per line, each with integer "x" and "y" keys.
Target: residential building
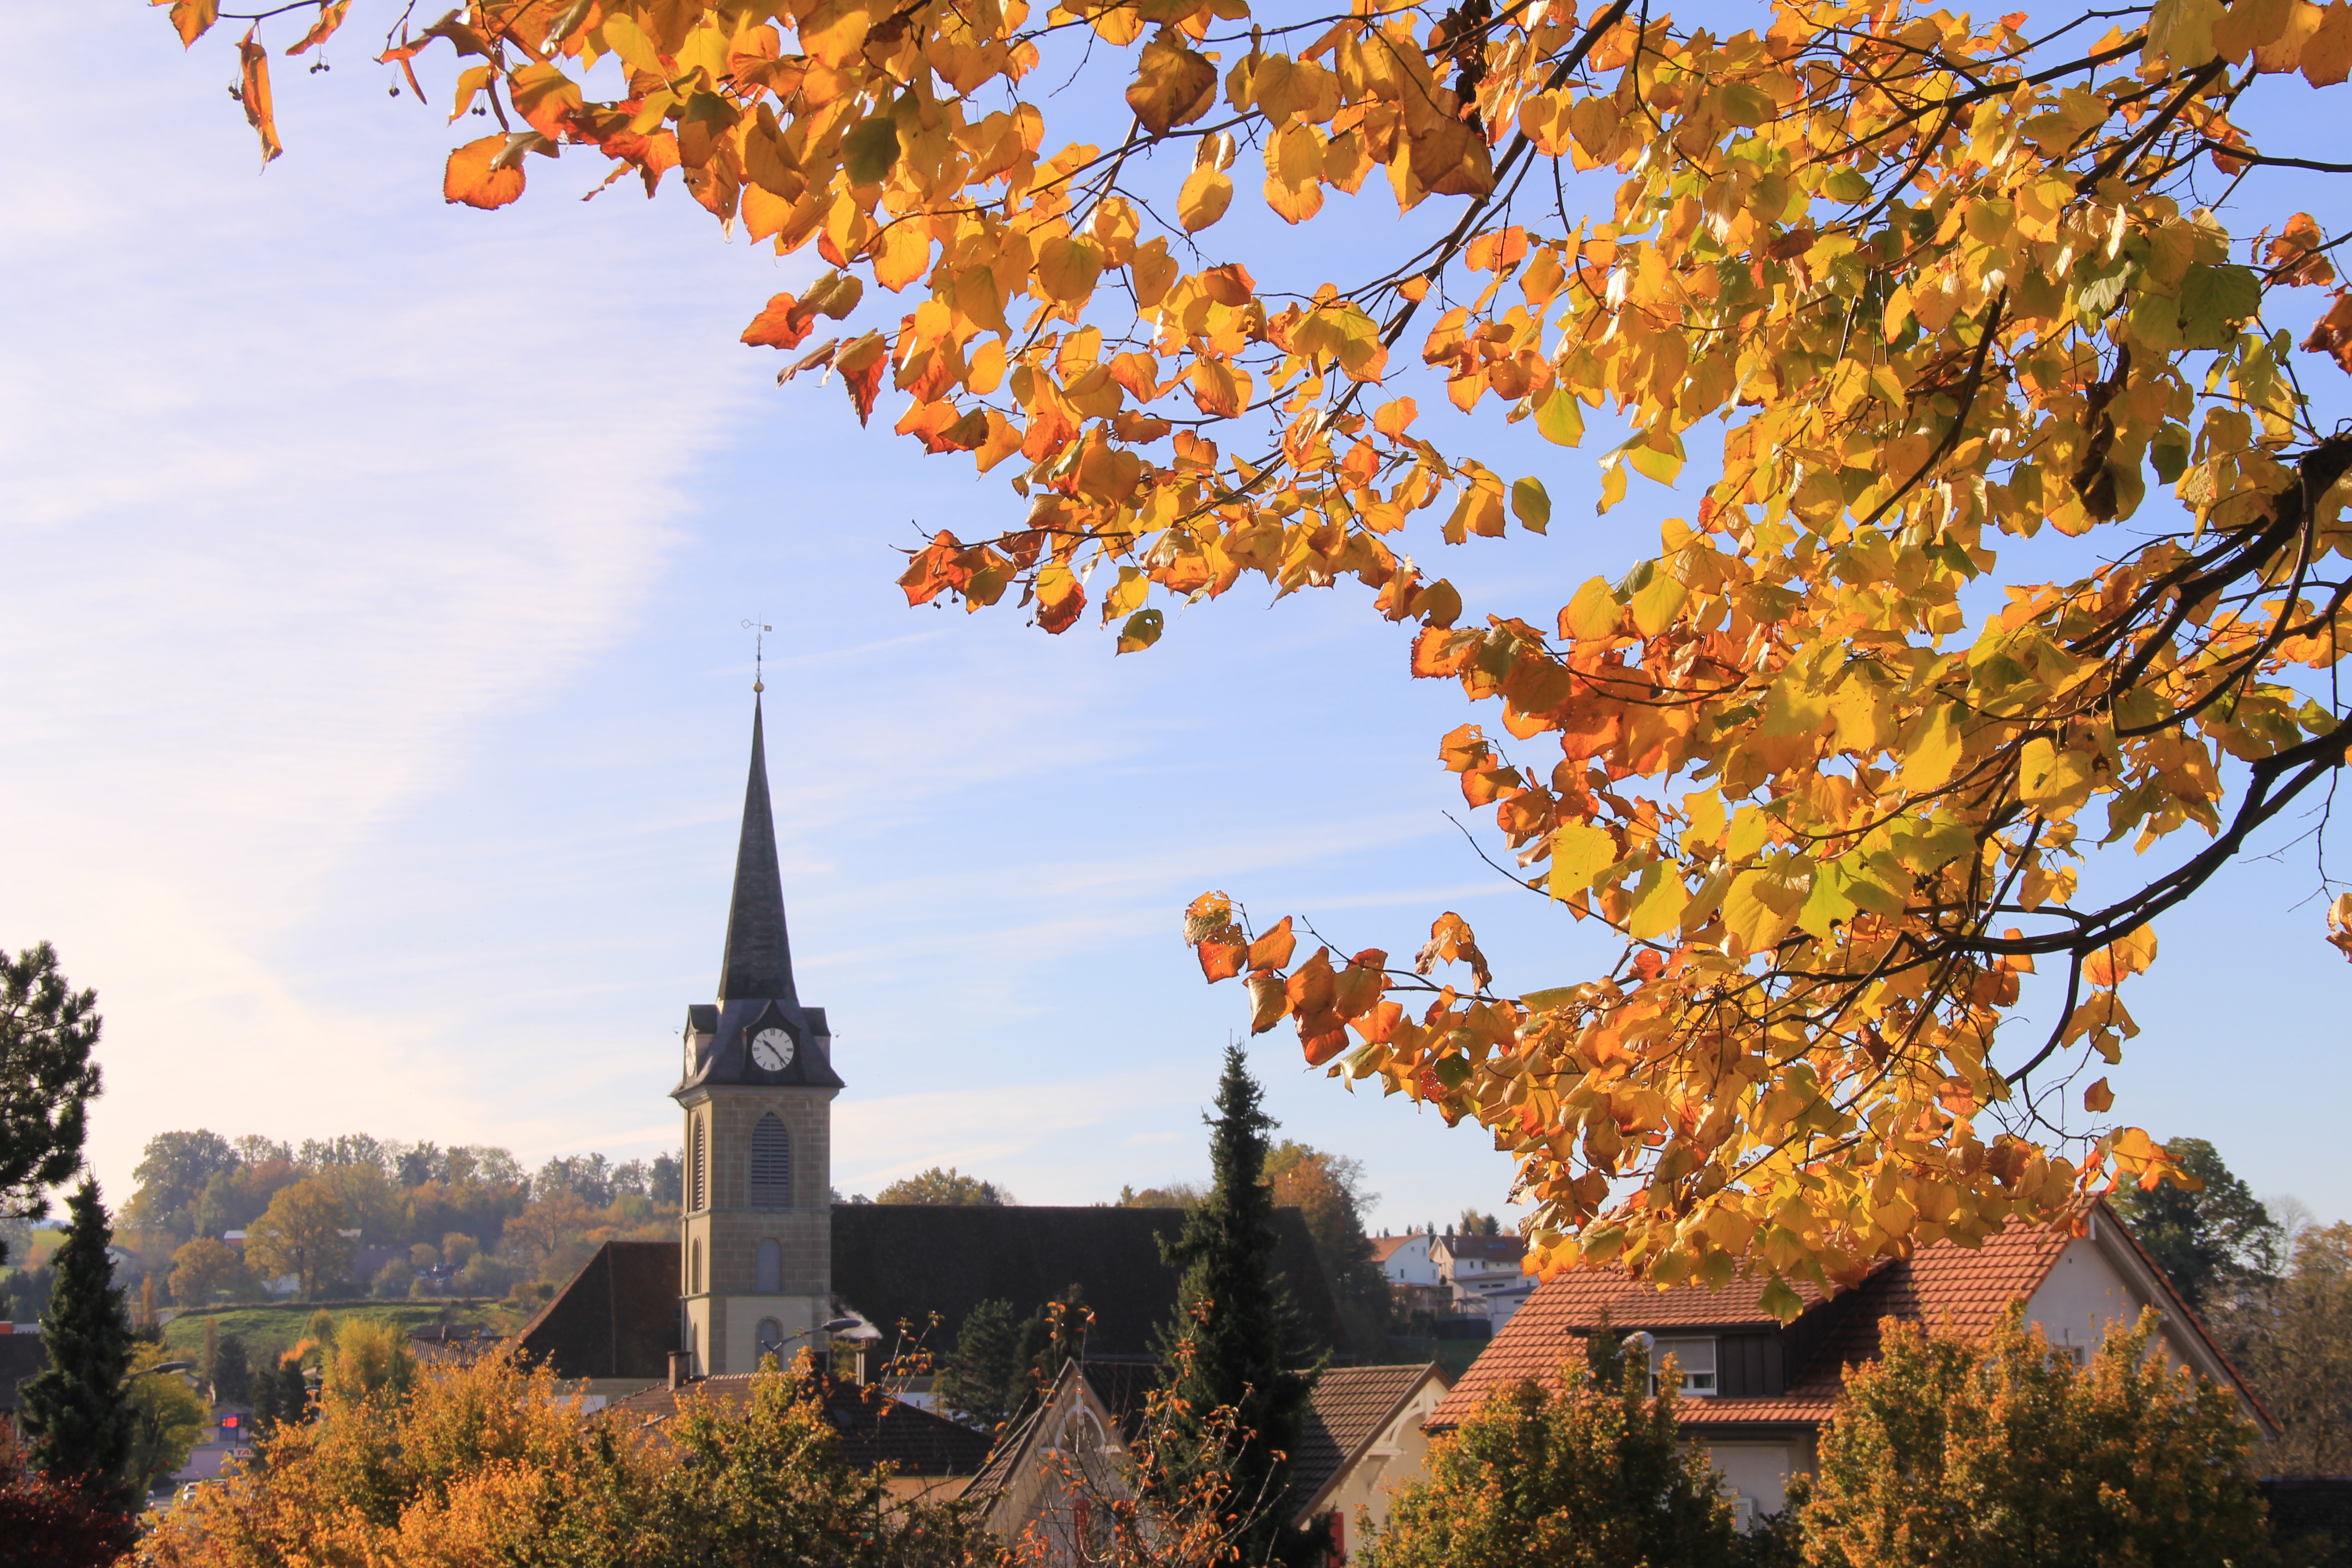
{"x": 1406, "y": 1259}
{"x": 1485, "y": 1274}
{"x": 1756, "y": 1393}
{"x": 1053, "y": 1482}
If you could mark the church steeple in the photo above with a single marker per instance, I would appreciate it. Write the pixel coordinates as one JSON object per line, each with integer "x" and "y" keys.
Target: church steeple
{"x": 755, "y": 1239}
{"x": 758, "y": 959}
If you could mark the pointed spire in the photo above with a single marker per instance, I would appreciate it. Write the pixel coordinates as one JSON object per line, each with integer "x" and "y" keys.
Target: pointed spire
{"x": 759, "y": 961}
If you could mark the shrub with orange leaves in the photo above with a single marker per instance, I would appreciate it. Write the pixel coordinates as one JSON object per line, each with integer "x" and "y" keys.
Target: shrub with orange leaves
{"x": 489, "y": 1463}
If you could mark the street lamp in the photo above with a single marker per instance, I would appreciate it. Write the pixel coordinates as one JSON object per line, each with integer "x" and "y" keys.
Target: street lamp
{"x": 831, "y": 1326}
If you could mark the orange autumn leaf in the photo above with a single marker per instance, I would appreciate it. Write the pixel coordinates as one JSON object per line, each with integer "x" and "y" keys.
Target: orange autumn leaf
{"x": 191, "y": 18}
{"x": 783, "y": 323}
{"x": 1222, "y": 960}
{"x": 322, "y": 27}
{"x": 252, "y": 91}
{"x": 1272, "y": 950}
{"x": 474, "y": 177}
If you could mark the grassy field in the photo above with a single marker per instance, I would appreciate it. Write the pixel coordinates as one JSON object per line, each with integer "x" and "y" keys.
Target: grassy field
{"x": 270, "y": 1330}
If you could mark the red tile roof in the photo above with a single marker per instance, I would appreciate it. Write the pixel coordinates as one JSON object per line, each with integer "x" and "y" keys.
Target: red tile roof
{"x": 1969, "y": 1286}
{"x": 1352, "y": 1405}
{"x": 1385, "y": 1246}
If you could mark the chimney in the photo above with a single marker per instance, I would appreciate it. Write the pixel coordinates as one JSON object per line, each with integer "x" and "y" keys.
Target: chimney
{"x": 681, "y": 1369}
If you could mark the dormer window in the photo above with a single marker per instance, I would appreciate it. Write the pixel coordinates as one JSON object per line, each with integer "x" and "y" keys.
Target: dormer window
{"x": 1693, "y": 1363}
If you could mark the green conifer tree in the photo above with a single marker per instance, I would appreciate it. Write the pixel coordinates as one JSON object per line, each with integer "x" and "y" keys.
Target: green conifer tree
{"x": 76, "y": 1412}
{"x": 1236, "y": 1342}
{"x": 973, "y": 1377}
{"x": 293, "y": 1392}
{"x": 232, "y": 1378}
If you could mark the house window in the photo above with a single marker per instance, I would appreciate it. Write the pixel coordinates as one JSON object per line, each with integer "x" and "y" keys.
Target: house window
{"x": 768, "y": 1268}
{"x": 699, "y": 1159}
{"x": 1694, "y": 1359}
{"x": 772, "y": 1164}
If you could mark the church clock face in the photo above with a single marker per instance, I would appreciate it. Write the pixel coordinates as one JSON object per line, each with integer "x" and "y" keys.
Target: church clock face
{"x": 771, "y": 1049}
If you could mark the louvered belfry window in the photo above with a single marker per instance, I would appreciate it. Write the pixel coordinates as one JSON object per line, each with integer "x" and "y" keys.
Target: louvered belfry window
{"x": 699, "y": 1163}
{"x": 772, "y": 1164}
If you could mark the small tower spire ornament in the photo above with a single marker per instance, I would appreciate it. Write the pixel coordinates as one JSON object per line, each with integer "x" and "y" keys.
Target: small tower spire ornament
{"x": 759, "y": 653}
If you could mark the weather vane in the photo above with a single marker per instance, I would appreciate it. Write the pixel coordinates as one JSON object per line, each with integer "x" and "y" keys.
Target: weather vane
{"x": 759, "y": 648}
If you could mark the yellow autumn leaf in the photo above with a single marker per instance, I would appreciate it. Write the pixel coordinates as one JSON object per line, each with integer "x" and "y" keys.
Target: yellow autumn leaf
{"x": 1579, "y": 852}
{"x": 1207, "y": 192}
{"x": 2118, "y": 961}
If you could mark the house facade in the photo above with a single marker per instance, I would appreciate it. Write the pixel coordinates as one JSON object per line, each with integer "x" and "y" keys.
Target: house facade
{"x": 1407, "y": 1259}
{"x": 1487, "y": 1275}
{"x": 1053, "y": 1482}
{"x": 1756, "y": 1393}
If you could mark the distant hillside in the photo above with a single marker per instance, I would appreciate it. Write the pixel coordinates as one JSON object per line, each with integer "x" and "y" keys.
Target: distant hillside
{"x": 269, "y": 1332}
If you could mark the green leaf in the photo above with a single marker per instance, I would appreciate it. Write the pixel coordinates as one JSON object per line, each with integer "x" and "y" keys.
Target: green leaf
{"x": 1747, "y": 105}
{"x": 2170, "y": 454}
{"x": 870, "y": 149}
{"x": 2214, "y": 300}
{"x": 1530, "y": 504}
{"x": 1846, "y": 185}
{"x": 1142, "y": 630}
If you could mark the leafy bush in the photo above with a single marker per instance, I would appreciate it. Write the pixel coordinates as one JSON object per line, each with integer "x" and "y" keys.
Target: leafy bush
{"x": 455, "y": 1467}
{"x": 1591, "y": 1474}
{"x": 1961, "y": 1455}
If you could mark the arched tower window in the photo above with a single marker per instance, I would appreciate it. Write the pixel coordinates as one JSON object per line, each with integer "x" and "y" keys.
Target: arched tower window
{"x": 699, "y": 1163}
{"x": 768, "y": 1272}
{"x": 772, "y": 1164}
{"x": 771, "y": 1335}
{"x": 693, "y": 1269}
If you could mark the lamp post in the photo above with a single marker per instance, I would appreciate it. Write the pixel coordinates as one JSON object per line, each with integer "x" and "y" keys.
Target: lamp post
{"x": 830, "y": 1326}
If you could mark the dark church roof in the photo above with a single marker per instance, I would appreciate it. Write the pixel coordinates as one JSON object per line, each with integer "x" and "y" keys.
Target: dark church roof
{"x": 893, "y": 1262}
{"x": 906, "y": 1261}
{"x": 618, "y": 1318}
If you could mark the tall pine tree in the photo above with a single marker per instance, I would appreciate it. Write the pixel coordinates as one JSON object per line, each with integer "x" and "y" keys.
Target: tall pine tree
{"x": 77, "y": 1412}
{"x": 1236, "y": 1342}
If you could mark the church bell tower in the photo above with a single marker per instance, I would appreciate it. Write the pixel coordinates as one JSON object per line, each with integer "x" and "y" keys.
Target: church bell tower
{"x": 756, "y": 1241}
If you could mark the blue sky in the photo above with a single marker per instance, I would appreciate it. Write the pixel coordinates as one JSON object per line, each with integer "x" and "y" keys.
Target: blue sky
{"x": 378, "y": 703}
